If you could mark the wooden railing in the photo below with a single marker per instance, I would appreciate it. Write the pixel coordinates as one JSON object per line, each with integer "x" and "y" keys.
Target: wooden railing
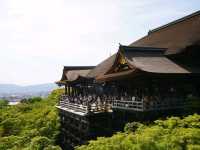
{"x": 142, "y": 106}
{"x": 83, "y": 108}
{"x": 136, "y": 105}
{"x": 73, "y": 106}
{"x": 131, "y": 105}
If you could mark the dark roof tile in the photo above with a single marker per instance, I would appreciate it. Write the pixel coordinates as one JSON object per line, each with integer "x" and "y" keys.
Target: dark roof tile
{"x": 175, "y": 36}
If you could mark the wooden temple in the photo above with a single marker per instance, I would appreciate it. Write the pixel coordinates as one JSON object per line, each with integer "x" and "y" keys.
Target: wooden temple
{"x": 157, "y": 75}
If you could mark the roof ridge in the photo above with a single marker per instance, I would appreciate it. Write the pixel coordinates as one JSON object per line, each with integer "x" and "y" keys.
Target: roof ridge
{"x": 175, "y": 22}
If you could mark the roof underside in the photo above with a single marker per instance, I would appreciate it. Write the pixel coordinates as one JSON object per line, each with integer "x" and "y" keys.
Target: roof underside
{"x": 66, "y": 68}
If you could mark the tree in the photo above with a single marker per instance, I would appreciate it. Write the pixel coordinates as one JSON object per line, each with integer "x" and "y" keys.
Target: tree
{"x": 3, "y": 103}
{"x": 32, "y": 124}
{"x": 39, "y": 143}
{"x": 173, "y": 133}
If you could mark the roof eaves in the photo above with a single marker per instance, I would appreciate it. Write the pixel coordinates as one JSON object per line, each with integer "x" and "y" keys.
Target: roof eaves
{"x": 142, "y": 49}
{"x": 78, "y": 67}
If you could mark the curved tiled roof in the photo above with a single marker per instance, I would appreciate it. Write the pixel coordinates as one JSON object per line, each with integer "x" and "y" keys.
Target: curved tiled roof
{"x": 146, "y": 59}
{"x": 174, "y": 36}
{"x": 72, "y": 75}
{"x": 148, "y": 54}
{"x": 155, "y": 64}
{"x": 151, "y": 59}
{"x": 103, "y": 67}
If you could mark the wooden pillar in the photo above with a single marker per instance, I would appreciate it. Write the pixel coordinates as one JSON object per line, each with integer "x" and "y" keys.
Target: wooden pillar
{"x": 86, "y": 90}
{"x": 72, "y": 91}
{"x": 69, "y": 90}
{"x": 66, "y": 89}
{"x": 76, "y": 92}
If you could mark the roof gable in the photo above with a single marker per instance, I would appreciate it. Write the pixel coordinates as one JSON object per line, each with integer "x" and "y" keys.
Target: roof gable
{"x": 151, "y": 59}
{"x": 140, "y": 60}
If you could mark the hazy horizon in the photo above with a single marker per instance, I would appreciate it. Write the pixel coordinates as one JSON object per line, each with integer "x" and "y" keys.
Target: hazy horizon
{"x": 39, "y": 37}
{"x": 27, "y": 84}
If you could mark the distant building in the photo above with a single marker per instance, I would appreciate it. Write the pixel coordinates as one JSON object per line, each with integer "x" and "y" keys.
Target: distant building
{"x": 155, "y": 76}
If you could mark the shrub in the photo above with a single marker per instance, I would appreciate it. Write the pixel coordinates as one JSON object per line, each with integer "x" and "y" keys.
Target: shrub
{"x": 132, "y": 127}
{"x": 52, "y": 148}
{"x": 10, "y": 126}
{"x": 39, "y": 143}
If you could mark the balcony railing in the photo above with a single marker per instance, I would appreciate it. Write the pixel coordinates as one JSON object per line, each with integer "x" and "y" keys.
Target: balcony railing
{"x": 131, "y": 105}
{"x": 95, "y": 104}
{"x": 73, "y": 106}
{"x": 152, "y": 105}
{"x": 83, "y": 104}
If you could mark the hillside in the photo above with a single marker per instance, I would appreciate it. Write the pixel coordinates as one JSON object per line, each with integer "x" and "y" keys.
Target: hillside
{"x": 31, "y": 125}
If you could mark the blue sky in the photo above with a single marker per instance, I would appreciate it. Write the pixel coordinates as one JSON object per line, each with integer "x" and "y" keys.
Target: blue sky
{"x": 38, "y": 37}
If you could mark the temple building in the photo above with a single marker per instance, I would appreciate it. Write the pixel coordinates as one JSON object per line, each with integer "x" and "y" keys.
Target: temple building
{"x": 155, "y": 76}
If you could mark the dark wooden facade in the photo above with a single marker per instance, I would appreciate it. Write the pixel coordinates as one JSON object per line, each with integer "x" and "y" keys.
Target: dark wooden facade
{"x": 153, "y": 77}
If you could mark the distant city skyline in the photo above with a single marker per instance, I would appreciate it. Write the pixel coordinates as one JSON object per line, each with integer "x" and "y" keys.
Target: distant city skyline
{"x": 39, "y": 37}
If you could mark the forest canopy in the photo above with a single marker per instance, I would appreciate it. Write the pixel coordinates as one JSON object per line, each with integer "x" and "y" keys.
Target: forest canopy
{"x": 31, "y": 125}
{"x": 3, "y": 103}
{"x": 171, "y": 134}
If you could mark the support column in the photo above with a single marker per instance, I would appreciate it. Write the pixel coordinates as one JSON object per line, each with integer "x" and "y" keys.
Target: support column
{"x": 69, "y": 90}
{"x": 65, "y": 89}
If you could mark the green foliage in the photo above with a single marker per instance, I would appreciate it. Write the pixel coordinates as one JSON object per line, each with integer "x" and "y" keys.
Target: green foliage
{"x": 31, "y": 100}
{"x": 132, "y": 127}
{"x": 31, "y": 125}
{"x": 171, "y": 134}
{"x": 3, "y": 103}
{"x": 34, "y": 125}
{"x": 39, "y": 143}
{"x": 52, "y": 148}
{"x": 10, "y": 126}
